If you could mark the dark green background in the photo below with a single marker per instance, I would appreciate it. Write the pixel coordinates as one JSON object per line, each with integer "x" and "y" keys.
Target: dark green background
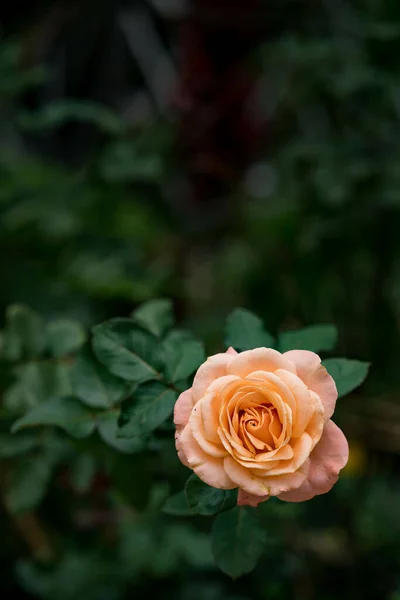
{"x": 293, "y": 213}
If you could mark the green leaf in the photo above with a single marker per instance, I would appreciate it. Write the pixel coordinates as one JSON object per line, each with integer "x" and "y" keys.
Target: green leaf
{"x": 178, "y": 505}
{"x": 83, "y": 471}
{"x": 237, "y": 540}
{"x": 66, "y": 412}
{"x": 93, "y": 384}
{"x": 28, "y": 484}
{"x": 151, "y": 404}
{"x": 245, "y": 331}
{"x": 65, "y": 111}
{"x": 317, "y": 338}
{"x": 123, "y": 161}
{"x": 64, "y": 337}
{"x": 206, "y": 500}
{"x": 24, "y": 333}
{"x": 108, "y": 431}
{"x": 348, "y": 374}
{"x": 182, "y": 356}
{"x": 131, "y": 478}
{"x": 126, "y": 350}
{"x": 14, "y": 445}
{"x": 155, "y": 315}
{"x": 37, "y": 382}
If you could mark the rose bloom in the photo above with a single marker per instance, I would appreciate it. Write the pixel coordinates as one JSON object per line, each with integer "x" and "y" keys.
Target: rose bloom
{"x": 260, "y": 421}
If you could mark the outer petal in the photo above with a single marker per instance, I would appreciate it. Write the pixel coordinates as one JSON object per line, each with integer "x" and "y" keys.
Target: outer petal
{"x": 231, "y": 351}
{"x": 183, "y": 408}
{"x": 214, "y": 367}
{"x": 301, "y": 450}
{"x": 181, "y": 454}
{"x": 244, "y": 478}
{"x": 245, "y": 499}
{"x": 247, "y": 480}
{"x": 197, "y": 426}
{"x": 259, "y": 359}
{"x": 304, "y": 404}
{"x": 209, "y": 407}
{"x": 316, "y": 377}
{"x": 329, "y": 456}
{"x": 208, "y": 468}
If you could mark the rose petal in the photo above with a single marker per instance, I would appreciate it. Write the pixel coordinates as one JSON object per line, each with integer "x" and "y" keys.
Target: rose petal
{"x": 288, "y": 481}
{"x": 214, "y": 367}
{"x": 316, "y": 425}
{"x": 183, "y": 408}
{"x": 210, "y": 406}
{"x": 259, "y": 359}
{"x": 231, "y": 351}
{"x": 209, "y": 469}
{"x": 301, "y": 452}
{"x": 304, "y": 405}
{"x": 329, "y": 456}
{"x": 181, "y": 454}
{"x": 244, "y": 478}
{"x": 196, "y": 424}
{"x": 245, "y": 499}
{"x": 316, "y": 377}
{"x": 247, "y": 479}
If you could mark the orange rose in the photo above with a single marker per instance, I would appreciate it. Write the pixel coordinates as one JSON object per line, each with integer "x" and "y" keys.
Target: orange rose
{"x": 260, "y": 421}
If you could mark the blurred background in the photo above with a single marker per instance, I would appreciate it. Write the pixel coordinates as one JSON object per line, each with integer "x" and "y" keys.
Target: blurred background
{"x": 221, "y": 153}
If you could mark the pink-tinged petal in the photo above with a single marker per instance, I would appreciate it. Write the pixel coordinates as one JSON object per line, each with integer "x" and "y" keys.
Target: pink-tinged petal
{"x": 317, "y": 422}
{"x": 255, "y": 485}
{"x": 183, "y": 408}
{"x": 181, "y": 454}
{"x": 276, "y": 383}
{"x": 245, "y": 499}
{"x": 329, "y": 456}
{"x": 231, "y": 351}
{"x": 208, "y": 468}
{"x": 214, "y": 367}
{"x": 259, "y": 359}
{"x": 209, "y": 407}
{"x": 288, "y": 481}
{"x": 245, "y": 478}
{"x": 212, "y": 447}
{"x": 301, "y": 451}
{"x": 304, "y": 404}
{"x": 316, "y": 377}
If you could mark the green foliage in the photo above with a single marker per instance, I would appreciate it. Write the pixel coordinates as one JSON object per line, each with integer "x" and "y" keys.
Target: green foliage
{"x": 182, "y": 355}
{"x": 66, "y": 412}
{"x": 178, "y": 505}
{"x": 237, "y": 541}
{"x": 93, "y": 384}
{"x": 114, "y": 395}
{"x": 122, "y": 161}
{"x": 12, "y": 446}
{"x": 348, "y": 374}
{"x": 65, "y": 337}
{"x": 155, "y": 315}
{"x": 126, "y": 350}
{"x": 23, "y": 334}
{"x": 309, "y": 234}
{"x": 152, "y": 403}
{"x": 27, "y": 484}
{"x": 36, "y": 382}
{"x": 107, "y": 426}
{"x": 205, "y": 500}
{"x": 13, "y": 80}
{"x": 61, "y": 112}
{"x": 317, "y": 338}
{"x": 245, "y": 331}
